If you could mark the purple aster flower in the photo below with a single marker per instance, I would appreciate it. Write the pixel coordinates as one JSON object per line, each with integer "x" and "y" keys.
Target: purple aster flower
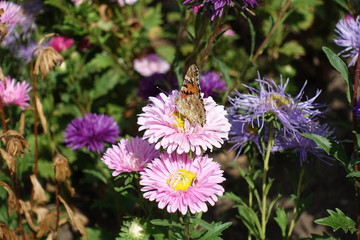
{"x": 302, "y": 145}
{"x": 12, "y": 92}
{"x": 129, "y": 155}
{"x": 272, "y": 101}
{"x": 251, "y": 3}
{"x": 216, "y": 7}
{"x": 91, "y": 131}
{"x": 357, "y": 108}
{"x": 348, "y": 36}
{"x": 211, "y": 83}
{"x": 156, "y": 83}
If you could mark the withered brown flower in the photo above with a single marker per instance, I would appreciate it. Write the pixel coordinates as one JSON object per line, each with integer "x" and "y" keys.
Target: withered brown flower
{"x": 61, "y": 166}
{"x": 15, "y": 143}
{"x": 47, "y": 58}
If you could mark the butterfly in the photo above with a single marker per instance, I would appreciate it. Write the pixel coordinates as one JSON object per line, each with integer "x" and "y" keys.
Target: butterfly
{"x": 190, "y": 103}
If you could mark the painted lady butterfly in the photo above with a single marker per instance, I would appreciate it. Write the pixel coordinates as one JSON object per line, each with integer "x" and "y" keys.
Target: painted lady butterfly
{"x": 190, "y": 103}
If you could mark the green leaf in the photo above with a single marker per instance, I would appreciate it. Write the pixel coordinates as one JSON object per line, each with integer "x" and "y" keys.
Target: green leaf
{"x": 343, "y": 4}
{"x": 214, "y": 230}
{"x": 329, "y": 146}
{"x": 353, "y": 174}
{"x": 281, "y": 219}
{"x": 318, "y": 237}
{"x": 96, "y": 174}
{"x": 152, "y": 17}
{"x": 338, "y": 220}
{"x": 166, "y": 223}
{"x": 105, "y": 83}
{"x": 292, "y": 49}
{"x": 341, "y": 67}
{"x": 98, "y": 63}
{"x": 250, "y": 219}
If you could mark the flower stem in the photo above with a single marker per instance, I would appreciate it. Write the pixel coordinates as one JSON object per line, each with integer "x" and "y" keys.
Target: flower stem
{"x": 3, "y": 119}
{"x": 276, "y": 24}
{"x": 36, "y": 158}
{"x": 295, "y": 216}
{"x": 354, "y": 119}
{"x": 270, "y": 144}
{"x": 187, "y": 226}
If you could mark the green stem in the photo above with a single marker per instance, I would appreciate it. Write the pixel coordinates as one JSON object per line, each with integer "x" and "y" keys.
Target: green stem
{"x": 264, "y": 182}
{"x": 295, "y": 216}
{"x": 187, "y": 226}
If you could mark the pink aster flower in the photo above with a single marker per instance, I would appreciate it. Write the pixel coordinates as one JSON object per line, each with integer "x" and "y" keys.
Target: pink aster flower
{"x": 150, "y": 65}
{"x": 61, "y": 43}
{"x": 164, "y": 126}
{"x": 181, "y": 183}
{"x": 13, "y": 92}
{"x": 129, "y": 155}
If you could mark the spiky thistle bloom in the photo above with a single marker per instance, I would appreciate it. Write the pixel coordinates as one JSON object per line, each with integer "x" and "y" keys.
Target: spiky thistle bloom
{"x": 91, "y": 131}
{"x": 211, "y": 84}
{"x": 348, "y": 36}
{"x": 305, "y": 146}
{"x": 151, "y": 64}
{"x": 181, "y": 184}
{"x": 270, "y": 103}
{"x": 216, "y": 7}
{"x": 129, "y": 155}
{"x": 154, "y": 84}
{"x": 13, "y": 92}
{"x": 164, "y": 126}
{"x": 61, "y": 43}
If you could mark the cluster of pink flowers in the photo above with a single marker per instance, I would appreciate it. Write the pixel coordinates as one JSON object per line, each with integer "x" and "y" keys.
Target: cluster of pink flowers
{"x": 13, "y": 92}
{"x": 174, "y": 171}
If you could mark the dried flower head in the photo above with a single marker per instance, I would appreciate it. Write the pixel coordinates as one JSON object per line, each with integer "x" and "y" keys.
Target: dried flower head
{"x": 15, "y": 143}
{"x": 61, "y": 167}
{"x": 48, "y": 57}
{"x": 10, "y": 160}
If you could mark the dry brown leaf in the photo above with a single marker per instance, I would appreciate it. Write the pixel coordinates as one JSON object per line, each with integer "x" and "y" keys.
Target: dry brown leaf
{"x": 61, "y": 166}
{"x": 22, "y": 122}
{"x": 6, "y": 233}
{"x": 11, "y": 198}
{"x": 15, "y": 143}
{"x": 41, "y": 115}
{"x": 41, "y": 213}
{"x": 39, "y": 192}
{"x": 70, "y": 189}
{"x": 47, "y": 225}
{"x": 10, "y": 160}
{"x": 2, "y": 77}
{"x": 25, "y": 207}
{"x": 76, "y": 222}
{"x": 51, "y": 236}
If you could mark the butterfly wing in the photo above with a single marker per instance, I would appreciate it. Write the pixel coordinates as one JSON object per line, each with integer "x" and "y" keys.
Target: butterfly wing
{"x": 190, "y": 103}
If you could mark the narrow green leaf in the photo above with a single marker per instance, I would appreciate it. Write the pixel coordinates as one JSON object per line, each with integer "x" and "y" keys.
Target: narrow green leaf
{"x": 341, "y": 67}
{"x": 343, "y": 4}
{"x": 95, "y": 174}
{"x": 329, "y": 146}
{"x": 353, "y": 174}
{"x": 338, "y": 220}
{"x": 281, "y": 219}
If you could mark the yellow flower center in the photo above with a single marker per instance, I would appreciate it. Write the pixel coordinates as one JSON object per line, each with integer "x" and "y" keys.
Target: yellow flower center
{"x": 179, "y": 120}
{"x": 181, "y": 180}
{"x": 250, "y": 129}
{"x": 279, "y": 101}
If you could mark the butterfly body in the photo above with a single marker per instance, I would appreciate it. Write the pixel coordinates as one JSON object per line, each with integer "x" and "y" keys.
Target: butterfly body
{"x": 190, "y": 104}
